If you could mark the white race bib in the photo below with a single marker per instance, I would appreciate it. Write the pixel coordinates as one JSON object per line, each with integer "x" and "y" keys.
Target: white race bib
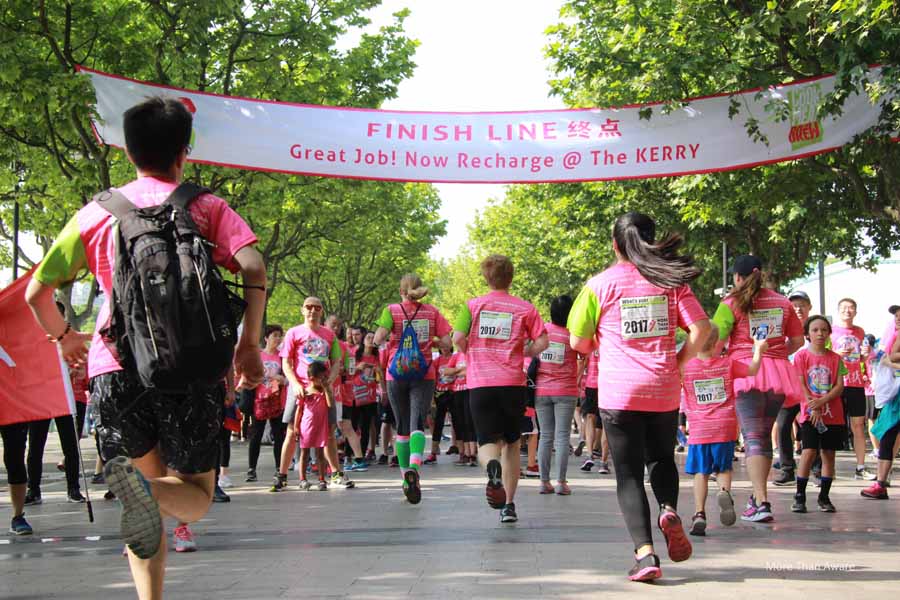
{"x": 644, "y": 317}
{"x": 421, "y": 328}
{"x": 769, "y": 316}
{"x": 555, "y": 353}
{"x": 495, "y": 325}
{"x": 710, "y": 391}
{"x": 351, "y": 365}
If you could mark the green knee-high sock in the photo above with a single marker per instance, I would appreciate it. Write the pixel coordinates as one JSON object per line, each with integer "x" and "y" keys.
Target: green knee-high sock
{"x": 416, "y": 449}
{"x": 402, "y": 450}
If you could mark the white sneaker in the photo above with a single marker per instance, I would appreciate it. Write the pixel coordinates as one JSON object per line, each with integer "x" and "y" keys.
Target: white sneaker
{"x": 225, "y": 481}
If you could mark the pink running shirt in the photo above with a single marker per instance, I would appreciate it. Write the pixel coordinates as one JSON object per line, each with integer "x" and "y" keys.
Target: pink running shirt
{"x": 635, "y": 324}
{"x": 709, "y": 399}
{"x": 849, "y": 338}
{"x": 558, "y": 370}
{"x": 820, "y": 374}
{"x": 770, "y": 309}
{"x": 591, "y": 375}
{"x": 87, "y": 241}
{"x": 497, "y": 325}
{"x": 305, "y": 346}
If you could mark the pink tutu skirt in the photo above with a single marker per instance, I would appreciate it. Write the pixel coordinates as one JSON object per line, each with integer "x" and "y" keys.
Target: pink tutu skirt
{"x": 775, "y": 375}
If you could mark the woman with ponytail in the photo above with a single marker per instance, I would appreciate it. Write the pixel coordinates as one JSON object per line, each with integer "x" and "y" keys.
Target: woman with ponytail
{"x": 748, "y": 313}
{"x": 631, "y": 311}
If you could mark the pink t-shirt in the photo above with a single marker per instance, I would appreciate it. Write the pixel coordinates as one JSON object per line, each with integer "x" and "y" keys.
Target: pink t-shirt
{"x": 500, "y": 325}
{"x": 636, "y": 332}
{"x": 364, "y": 383}
{"x": 214, "y": 219}
{"x": 771, "y": 309}
{"x": 305, "y": 346}
{"x": 849, "y": 338}
{"x": 458, "y": 360}
{"x": 591, "y": 376}
{"x": 271, "y": 370}
{"x": 428, "y": 323}
{"x": 558, "y": 370}
{"x": 443, "y": 383}
{"x": 820, "y": 374}
{"x": 709, "y": 399}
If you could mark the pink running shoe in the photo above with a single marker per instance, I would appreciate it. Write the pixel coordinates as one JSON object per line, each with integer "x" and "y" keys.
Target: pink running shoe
{"x": 677, "y": 542}
{"x": 645, "y": 569}
{"x": 184, "y": 539}
{"x": 875, "y": 491}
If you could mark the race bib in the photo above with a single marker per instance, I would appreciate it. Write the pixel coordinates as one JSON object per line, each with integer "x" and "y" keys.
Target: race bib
{"x": 495, "y": 325}
{"x": 710, "y": 391}
{"x": 644, "y": 317}
{"x": 555, "y": 353}
{"x": 351, "y": 365}
{"x": 420, "y": 326}
{"x": 770, "y": 317}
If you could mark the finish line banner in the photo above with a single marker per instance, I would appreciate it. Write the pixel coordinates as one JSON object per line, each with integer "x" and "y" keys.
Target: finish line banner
{"x": 506, "y": 147}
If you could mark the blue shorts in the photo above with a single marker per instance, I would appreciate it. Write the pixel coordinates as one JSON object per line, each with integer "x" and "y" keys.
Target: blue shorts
{"x": 709, "y": 458}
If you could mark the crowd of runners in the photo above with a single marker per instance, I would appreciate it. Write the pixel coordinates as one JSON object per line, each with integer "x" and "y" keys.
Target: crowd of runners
{"x": 624, "y": 376}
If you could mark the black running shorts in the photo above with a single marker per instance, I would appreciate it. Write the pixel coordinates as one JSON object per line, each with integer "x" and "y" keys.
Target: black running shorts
{"x": 497, "y": 412}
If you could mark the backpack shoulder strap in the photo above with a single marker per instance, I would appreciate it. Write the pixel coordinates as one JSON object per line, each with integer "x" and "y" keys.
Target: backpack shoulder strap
{"x": 114, "y": 202}
{"x": 182, "y": 196}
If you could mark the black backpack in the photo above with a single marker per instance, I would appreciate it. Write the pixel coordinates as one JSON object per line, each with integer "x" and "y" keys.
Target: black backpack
{"x": 172, "y": 319}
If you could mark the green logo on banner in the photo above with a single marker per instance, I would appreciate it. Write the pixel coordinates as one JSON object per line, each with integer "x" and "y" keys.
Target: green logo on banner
{"x": 806, "y": 129}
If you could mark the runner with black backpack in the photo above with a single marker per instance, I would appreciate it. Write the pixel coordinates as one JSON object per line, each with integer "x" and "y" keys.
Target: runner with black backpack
{"x": 166, "y": 334}
{"x": 413, "y": 326}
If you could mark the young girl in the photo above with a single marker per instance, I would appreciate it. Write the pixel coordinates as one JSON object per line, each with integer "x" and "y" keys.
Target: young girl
{"x": 366, "y": 376}
{"x": 708, "y": 383}
{"x": 821, "y": 411}
{"x": 312, "y": 422}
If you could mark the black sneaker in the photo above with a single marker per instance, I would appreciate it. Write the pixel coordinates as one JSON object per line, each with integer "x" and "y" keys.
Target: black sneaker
{"x": 383, "y": 459}
{"x": 75, "y": 496}
{"x": 251, "y": 476}
{"x": 219, "y": 495}
{"x": 109, "y": 495}
{"x": 825, "y": 505}
{"x": 33, "y": 498}
{"x": 411, "y": 488}
{"x": 279, "y": 483}
{"x": 395, "y": 462}
{"x": 508, "y": 514}
{"x": 799, "y": 505}
{"x": 98, "y": 479}
{"x": 787, "y": 477}
{"x": 579, "y": 449}
{"x": 452, "y": 450}
{"x": 698, "y": 524}
{"x": 494, "y": 490}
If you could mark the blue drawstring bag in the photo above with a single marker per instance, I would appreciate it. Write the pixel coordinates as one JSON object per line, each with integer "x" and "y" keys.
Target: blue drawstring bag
{"x": 409, "y": 362}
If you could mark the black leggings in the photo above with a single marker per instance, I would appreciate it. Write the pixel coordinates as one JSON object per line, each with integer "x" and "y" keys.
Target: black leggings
{"x": 224, "y": 448}
{"x": 636, "y": 439}
{"x": 15, "y": 437}
{"x": 886, "y": 443}
{"x": 443, "y": 402}
{"x": 256, "y": 435}
{"x": 785, "y": 428}
{"x": 362, "y": 419}
{"x": 37, "y": 440}
{"x": 461, "y": 414}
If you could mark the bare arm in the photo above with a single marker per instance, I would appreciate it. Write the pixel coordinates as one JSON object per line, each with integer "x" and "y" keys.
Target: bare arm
{"x": 39, "y": 298}
{"x": 582, "y": 345}
{"x": 759, "y": 348}
{"x": 698, "y": 332}
{"x": 538, "y": 345}
{"x": 247, "y": 363}
{"x": 444, "y": 343}
{"x": 460, "y": 340}
{"x": 287, "y": 365}
{"x": 381, "y": 335}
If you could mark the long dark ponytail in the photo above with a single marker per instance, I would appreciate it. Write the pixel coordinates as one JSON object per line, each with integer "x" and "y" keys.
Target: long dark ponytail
{"x": 658, "y": 262}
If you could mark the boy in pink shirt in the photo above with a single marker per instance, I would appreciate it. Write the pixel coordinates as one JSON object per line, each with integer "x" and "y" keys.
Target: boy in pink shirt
{"x": 708, "y": 399}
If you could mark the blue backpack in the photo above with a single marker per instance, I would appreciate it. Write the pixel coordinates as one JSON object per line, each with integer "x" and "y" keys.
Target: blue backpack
{"x": 409, "y": 362}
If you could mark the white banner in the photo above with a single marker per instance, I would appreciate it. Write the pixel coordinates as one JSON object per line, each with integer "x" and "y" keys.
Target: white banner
{"x": 506, "y": 147}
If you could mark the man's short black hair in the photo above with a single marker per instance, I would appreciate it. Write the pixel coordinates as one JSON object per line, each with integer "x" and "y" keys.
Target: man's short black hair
{"x": 156, "y": 131}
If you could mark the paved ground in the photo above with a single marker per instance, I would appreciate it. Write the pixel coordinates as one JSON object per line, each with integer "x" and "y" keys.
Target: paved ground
{"x": 368, "y": 543}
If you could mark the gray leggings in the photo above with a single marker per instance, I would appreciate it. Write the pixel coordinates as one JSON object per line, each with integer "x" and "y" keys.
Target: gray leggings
{"x": 411, "y": 403}
{"x": 554, "y": 414}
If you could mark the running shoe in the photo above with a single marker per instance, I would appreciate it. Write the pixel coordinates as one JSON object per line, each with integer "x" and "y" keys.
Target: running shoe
{"x": 342, "y": 482}
{"x": 462, "y": 462}
{"x": 225, "y": 482}
{"x": 587, "y": 465}
{"x": 825, "y": 505}
{"x": 74, "y": 495}
{"x": 546, "y": 488}
{"x": 678, "y": 544}
{"x": 786, "y": 478}
{"x": 494, "y": 490}
{"x": 799, "y": 505}
{"x": 395, "y": 462}
{"x": 776, "y": 466}
{"x": 251, "y": 476}
{"x": 864, "y": 475}
{"x": 727, "y": 515}
{"x": 452, "y": 450}
{"x": 322, "y": 487}
{"x": 698, "y": 524}
{"x": 141, "y": 521}
{"x": 603, "y": 468}
{"x": 97, "y": 479}
{"x": 19, "y": 526}
{"x": 109, "y": 495}
{"x": 562, "y": 489}
{"x": 184, "y": 539}
{"x": 220, "y": 496}
{"x": 430, "y": 459}
{"x": 532, "y": 471}
{"x": 411, "y": 488}
{"x": 508, "y": 514}
{"x": 761, "y": 513}
{"x": 579, "y": 448}
{"x": 61, "y": 466}
{"x": 360, "y": 465}
{"x": 875, "y": 491}
{"x": 473, "y": 462}
{"x": 305, "y": 485}
{"x": 279, "y": 483}
{"x": 370, "y": 456}
{"x": 33, "y": 498}
{"x": 383, "y": 459}
{"x": 596, "y": 454}
{"x": 645, "y": 569}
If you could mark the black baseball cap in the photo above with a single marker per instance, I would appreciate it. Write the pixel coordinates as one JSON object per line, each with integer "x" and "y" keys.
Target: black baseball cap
{"x": 893, "y": 309}
{"x": 799, "y": 295}
{"x": 745, "y": 264}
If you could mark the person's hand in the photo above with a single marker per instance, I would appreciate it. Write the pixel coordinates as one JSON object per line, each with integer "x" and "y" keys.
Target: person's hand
{"x": 760, "y": 346}
{"x": 248, "y": 367}
{"x": 815, "y": 416}
{"x": 73, "y": 346}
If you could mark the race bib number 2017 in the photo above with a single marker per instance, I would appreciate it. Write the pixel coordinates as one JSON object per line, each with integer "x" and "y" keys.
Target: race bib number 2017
{"x": 710, "y": 391}
{"x": 495, "y": 325}
{"x": 644, "y": 317}
{"x": 555, "y": 353}
{"x": 770, "y": 317}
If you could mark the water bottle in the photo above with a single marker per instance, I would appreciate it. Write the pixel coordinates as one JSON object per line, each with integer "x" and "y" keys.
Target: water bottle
{"x": 821, "y": 427}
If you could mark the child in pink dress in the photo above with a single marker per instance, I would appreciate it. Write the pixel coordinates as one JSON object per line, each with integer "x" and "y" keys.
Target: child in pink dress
{"x": 312, "y": 418}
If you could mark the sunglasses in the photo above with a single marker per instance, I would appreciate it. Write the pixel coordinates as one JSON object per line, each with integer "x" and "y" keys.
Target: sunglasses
{"x": 312, "y": 307}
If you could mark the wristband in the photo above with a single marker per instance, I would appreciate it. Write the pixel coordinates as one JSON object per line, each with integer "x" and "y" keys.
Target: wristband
{"x": 64, "y": 333}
